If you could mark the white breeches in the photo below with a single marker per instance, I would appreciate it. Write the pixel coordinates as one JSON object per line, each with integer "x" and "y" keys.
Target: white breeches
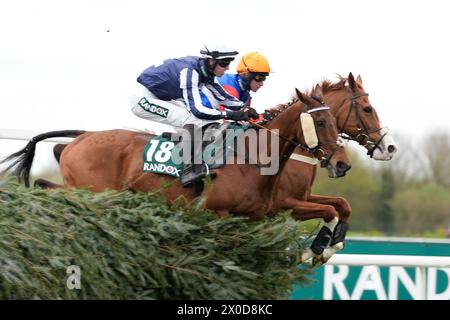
{"x": 146, "y": 105}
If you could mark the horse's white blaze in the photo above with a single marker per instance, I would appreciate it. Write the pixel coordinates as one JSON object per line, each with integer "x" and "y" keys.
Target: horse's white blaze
{"x": 387, "y": 147}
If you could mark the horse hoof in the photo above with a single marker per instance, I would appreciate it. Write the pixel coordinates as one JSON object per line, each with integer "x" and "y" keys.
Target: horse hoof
{"x": 305, "y": 255}
{"x": 338, "y": 246}
{"x": 327, "y": 254}
{"x": 318, "y": 261}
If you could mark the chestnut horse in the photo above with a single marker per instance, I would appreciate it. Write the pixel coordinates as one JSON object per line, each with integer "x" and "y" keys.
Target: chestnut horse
{"x": 113, "y": 160}
{"x": 357, "y": 119}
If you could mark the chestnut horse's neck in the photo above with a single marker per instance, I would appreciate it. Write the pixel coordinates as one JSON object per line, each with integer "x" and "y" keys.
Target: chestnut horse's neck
{"x": 341, "y": 100}
{"x": 286, "y": 119}
{"x": 337, "y": 100}
{"x": 283, "y": 130}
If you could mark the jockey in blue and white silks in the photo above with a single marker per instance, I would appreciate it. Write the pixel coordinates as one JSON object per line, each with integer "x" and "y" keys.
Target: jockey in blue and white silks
{"x": 170, "y": 93}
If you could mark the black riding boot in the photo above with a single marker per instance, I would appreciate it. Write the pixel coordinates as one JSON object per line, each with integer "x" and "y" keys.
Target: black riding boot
{"x": 192, "y": 172}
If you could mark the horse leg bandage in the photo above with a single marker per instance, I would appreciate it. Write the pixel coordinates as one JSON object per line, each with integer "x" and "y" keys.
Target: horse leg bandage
{"x": 323, "y": 238}
{"x": 321, "y": 241}
{"x": 339, "y": 232}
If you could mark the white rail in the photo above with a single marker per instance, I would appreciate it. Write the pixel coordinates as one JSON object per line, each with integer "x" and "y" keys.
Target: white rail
{"x": 389, "y": 260}
{"x": 422, "y": 262}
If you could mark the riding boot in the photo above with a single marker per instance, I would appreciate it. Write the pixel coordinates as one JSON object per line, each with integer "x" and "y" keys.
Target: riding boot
{"x": 191, "y": 171}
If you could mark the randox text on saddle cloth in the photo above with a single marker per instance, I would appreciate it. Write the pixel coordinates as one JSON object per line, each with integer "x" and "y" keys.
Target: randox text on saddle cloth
{"x": 249, "y": 147}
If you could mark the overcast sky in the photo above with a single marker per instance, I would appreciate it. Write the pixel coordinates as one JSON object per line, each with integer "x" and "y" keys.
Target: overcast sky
{"x": 73, "y": 64}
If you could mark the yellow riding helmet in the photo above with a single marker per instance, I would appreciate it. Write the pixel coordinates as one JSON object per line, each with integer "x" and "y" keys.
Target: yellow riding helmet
{"x": 253, "y": 62}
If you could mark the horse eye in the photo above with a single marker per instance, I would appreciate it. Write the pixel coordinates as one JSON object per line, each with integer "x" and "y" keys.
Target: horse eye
{"x": 367, "y": 109}
{"x": 320, "y": 123}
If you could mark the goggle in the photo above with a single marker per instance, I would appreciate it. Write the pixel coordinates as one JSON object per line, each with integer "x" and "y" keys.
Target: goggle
{"x": 259, "y": 77}
{"x": 223, "y": 63}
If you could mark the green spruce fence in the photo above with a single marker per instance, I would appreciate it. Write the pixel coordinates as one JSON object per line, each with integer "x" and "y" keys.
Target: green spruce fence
{"x": 133, "y": 246}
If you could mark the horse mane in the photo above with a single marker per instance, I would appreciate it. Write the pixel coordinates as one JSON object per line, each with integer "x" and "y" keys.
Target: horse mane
{"x": 279, "y": 108}
{"x": 326, "y": 85}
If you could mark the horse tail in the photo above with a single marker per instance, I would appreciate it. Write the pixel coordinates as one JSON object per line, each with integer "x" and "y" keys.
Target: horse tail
{"x": 23, "y": 159}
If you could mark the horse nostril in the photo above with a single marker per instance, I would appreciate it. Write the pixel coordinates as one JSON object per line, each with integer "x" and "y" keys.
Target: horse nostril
{"x": 342, "y": 166}
{"x": 391, "y": 148}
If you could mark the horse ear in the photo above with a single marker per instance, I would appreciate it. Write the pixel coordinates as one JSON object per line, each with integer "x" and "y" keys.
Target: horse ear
{"x": 351, "y": 81}
{"x": 359, "y": 80}
{"x": 318, "y": 92}
{"x": 300, "y": 95}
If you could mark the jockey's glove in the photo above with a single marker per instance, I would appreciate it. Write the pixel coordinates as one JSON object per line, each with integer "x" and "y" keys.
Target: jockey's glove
{"x": 237, "y": 115}
{"x": 252, "y": 113}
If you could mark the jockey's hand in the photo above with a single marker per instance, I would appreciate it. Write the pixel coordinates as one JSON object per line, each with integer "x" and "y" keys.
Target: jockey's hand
{"x": 237, "y": 115}
{"x": 252, "y": 113}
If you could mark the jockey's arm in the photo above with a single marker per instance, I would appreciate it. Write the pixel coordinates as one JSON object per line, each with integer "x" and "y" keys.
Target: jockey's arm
{"x": 202, "y": 112}
{"x": 192, "y": 99}
{"x": 227, "y": 100}
{"x": 245, "y": 106}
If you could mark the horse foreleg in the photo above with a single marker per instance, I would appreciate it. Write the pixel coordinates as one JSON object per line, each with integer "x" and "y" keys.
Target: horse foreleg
{"x": 340, "y": 204}
{"x": 337, "y": 240}
{"x": 304, "y": 210}
{"x": 344, "y": 210}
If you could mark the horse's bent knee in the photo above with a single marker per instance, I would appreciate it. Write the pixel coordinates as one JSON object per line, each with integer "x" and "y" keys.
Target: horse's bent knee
{"x": 344, "y": 208}
{"x": 330, "y": 213}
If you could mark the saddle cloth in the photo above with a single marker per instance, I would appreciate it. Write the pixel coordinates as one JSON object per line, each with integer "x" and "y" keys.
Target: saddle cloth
{"x": 162, "y": 155}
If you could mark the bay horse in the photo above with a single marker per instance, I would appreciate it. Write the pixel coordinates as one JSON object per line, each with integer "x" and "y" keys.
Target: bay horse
{"x": 357, "y": 119}
{"x": 113, "y": 160}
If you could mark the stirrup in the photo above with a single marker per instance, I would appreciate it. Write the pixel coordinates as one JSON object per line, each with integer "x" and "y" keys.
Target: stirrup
{"x": 189, "y": 175}
{"x": 209, "y": 173}
{"x": 192, "y": 178}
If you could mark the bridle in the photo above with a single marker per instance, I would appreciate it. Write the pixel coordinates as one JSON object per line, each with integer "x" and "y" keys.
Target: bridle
{"x": 363, "y": 136}
{"x": 317, "y": 150}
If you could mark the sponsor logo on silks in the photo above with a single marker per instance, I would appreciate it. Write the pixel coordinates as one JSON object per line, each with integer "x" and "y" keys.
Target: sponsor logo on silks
{"x": 153, "y": 108}
{"x": 162, "y": 168}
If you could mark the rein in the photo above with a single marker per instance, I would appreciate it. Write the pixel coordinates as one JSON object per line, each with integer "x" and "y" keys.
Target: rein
{"x": 303, "y": 147}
